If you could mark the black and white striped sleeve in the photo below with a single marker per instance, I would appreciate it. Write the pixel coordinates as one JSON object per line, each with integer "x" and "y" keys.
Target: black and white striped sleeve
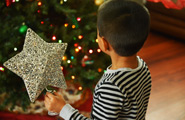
{"x": 109, "y": 102}
{"x": 69, "y": 113}
{"x": 107, "y": 105}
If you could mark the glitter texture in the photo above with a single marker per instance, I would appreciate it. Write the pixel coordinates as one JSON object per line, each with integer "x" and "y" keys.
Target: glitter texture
{"x": 38, "y": 64}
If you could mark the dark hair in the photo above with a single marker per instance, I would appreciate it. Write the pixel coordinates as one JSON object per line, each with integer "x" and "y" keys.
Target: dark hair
{"x": 124, "y": 24}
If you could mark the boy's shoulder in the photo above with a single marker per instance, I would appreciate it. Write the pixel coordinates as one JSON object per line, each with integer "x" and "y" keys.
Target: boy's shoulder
{"x": 125, "y": 78}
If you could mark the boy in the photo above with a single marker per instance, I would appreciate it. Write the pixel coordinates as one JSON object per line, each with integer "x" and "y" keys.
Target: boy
{"x": 124, "y": 89}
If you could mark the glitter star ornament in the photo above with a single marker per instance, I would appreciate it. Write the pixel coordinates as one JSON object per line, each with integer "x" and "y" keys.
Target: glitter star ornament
{"x": 38, "y": 64}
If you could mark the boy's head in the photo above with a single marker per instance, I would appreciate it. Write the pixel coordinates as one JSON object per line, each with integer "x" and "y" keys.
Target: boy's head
{"x": 124, "y": 24}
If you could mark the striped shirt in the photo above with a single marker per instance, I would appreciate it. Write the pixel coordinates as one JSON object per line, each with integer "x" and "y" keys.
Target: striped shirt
{"x": 121, "y": 94}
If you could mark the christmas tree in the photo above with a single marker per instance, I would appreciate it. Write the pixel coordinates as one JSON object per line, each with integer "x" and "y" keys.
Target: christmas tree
{"x": 68, "y": 21}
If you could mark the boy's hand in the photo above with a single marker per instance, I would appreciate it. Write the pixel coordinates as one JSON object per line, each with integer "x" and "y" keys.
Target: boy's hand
{"x": 54, "y": 103}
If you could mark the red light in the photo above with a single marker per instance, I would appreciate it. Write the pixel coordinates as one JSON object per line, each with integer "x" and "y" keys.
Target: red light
{"x": 76, "y": 44}
{"x": 54, "y": 37}
{"x": 42, "y": 22}
{"x": 78, "y": 19}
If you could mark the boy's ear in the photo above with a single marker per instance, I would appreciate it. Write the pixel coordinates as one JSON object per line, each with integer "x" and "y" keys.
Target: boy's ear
{"x": 105, "y": 45}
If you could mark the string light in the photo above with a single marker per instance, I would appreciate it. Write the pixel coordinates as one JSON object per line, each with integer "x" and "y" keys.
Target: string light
{"x": 76, "y": 50}
{"x": 38, "y": 11}
{"x": 54, "y": 37}
{"x": 61, "y": 2}
{"x": 80, "y": 37}
{"x": 39, "y": 3}
{"x": 66, "y": 24}
{"x": 68, "y": 61}
{"x": 98, "y": 50}
{"x": 73, "y": 26}
{"x": 13, "y": 0}
{"x": 73, "y": 77}
{"x": 76, "y": 44}
{"x": 64, "y": 58}
{"x": 59, "y": 41}
{"x": 99, "y": 70}
{"x": 90, "y": 51}
{"x": 97, "y": 40}
{"x": 42, "y": 22}
{"x": 2, "y": 69}
{"x": 79, "y": 47}
{"x": 62, "y": 68}
{"x": 78, "y": 19}
{"x": 72, "y": 57}
{"x": 65, "y": 0}
{"x": 80, "y": 88}
{"x": 15, "y": 49}
{"x": 16, "y": 0}
{"x": 74, "y": 38}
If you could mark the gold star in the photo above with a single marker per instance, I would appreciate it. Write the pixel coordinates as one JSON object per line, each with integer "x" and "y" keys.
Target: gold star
{"x": 38, "y": 64}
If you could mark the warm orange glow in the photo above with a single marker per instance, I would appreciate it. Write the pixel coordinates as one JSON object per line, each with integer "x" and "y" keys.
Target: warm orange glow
{"x": 80, "y": 88}
{"x": 39, "y": 3}
{"x": 76, "y": 50}
{"x": 64, "y": 58}
{"x": 66, "y": 24}
{"x": 73, "y": 26}
{"x": 80, "y": 37}
{"x": 73, "y": 77}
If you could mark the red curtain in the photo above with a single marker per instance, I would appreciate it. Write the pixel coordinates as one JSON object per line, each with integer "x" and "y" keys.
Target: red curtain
{"x": 174, "y": 4}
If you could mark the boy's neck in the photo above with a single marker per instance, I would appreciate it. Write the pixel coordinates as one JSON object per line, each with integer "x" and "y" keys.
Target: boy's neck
{"x": 124, "y": 62}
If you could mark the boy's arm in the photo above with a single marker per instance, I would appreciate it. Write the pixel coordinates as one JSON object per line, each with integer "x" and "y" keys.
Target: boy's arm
{"x": 108, "y": 104}
{"x": 56, "y": 103}
{"x": 69, "y": 113}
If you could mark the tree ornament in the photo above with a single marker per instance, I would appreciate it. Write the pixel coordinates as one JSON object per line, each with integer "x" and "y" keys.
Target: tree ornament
{"x": 38, "y": 64}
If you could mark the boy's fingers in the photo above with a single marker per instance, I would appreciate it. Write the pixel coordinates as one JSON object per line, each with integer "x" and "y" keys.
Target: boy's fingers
{"x": 49, "y": 95}
{"x": 46, "y": 99}
{"x": 57, "y": 94}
